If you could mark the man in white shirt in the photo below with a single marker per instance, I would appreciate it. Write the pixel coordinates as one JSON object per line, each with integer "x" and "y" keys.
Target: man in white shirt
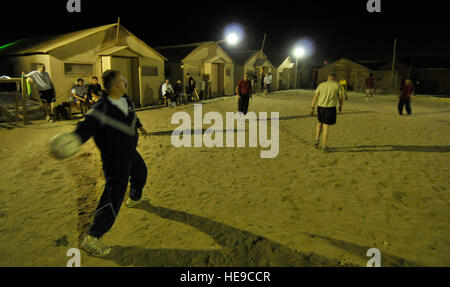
{"x": 267, "y": 83}
{"x": 167, "y": 92}
{"x": 327, "y": 96}
{"x": 45, "y": 87}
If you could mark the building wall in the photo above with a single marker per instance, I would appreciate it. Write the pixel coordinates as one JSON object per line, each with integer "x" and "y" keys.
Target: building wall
{"x": 356, "y": 76}
{"x": 286, "y": 75}
{"x": 84, "y": 51}
{"x": 202, "y": 71}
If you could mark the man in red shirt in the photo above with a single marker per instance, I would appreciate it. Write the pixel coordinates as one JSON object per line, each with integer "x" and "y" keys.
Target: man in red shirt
{"x": 406, "y": 91}
{"x": 244, "y": 91}
{"x": 370, "y": 86}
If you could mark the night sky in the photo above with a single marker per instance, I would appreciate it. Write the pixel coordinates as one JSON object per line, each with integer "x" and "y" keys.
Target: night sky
{"x": 337, "y": 28}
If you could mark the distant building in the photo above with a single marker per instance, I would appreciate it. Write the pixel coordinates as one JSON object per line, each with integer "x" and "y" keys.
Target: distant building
{"x": 256, "y": 64}
{"x": 356, "y": 72}
{"x": 87, "y": 53}
{"x": 286, "y": 74}
{"x": 206, "y": 62}
{"x": 430, "y": 75}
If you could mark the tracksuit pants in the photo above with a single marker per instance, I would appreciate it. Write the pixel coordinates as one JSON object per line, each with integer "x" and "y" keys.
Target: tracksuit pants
{"x": 117, "y": 174}
{"x": 243, "y": 103}
{"x": 407, "y": 104}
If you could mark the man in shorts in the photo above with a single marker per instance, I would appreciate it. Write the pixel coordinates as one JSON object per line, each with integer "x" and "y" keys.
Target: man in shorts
{"x": 343, "y": 83}
{"x": 45, "y": 87}
{"x": 328, "y": 94}
{"x": 80, "y": 95}
{"x": 370, "y": 87}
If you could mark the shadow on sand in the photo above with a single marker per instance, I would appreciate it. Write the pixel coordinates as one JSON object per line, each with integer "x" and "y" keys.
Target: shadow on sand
{"x": 385, "y": 148}
{"x": 239, "y": 248}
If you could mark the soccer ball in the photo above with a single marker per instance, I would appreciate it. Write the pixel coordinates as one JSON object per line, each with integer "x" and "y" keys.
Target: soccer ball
{"x": 64, "y": 145}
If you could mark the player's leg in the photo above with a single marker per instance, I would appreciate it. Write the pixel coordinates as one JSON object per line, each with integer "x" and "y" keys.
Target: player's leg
{"x": 408, "y": 107}
{"x": 326, "y": 131}
{"x": 138, "y": 176}
{"x": 246, "y": 104}
{"x": 400, "y": 107}
{"x": 318, "y": 133}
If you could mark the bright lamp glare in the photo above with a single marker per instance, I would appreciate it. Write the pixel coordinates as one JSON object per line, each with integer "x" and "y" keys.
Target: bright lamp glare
{"x": 299, "y": 52}
{"x": 232, "y": 38}
{"x": 233, "y": 33}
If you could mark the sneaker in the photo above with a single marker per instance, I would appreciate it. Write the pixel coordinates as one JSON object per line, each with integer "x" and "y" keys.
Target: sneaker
{"x": 325, "y": 149}
{"x": 132, "y": 203}
{"x": 316, "y": 145}
{"x": 94, "y": 246}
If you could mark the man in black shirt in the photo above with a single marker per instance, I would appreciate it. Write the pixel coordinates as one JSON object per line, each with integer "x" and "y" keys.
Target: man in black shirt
{"x": 190, "y": 88}
{"x": 113, "y": 124}
{"x": 94, "y": 91}
{"x": 178, "y": 89}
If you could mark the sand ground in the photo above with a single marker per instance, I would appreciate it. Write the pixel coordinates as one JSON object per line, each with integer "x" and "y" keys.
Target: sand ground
{"x": 385, "y": 184}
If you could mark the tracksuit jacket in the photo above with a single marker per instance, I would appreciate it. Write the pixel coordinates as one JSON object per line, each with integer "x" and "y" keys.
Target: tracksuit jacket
{"x": 116, "y": 137}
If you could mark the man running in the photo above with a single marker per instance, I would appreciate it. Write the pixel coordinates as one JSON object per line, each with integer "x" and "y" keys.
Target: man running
{"x": 243, "y": 91}
{"x": 267, "y": 83}
{"x": 45, "y": 87}
{"x": 113, "y": 123}
{"x": 406, "y": 91}
{"x": 327, "y": 95}
{"x": 370, "y": 87}
{"x": 343, "y": 83}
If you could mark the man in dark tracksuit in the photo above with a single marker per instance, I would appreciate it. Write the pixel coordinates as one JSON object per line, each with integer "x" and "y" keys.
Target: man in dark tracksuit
{"x": 113, "y": 124}
{"x": 244, "y": 90}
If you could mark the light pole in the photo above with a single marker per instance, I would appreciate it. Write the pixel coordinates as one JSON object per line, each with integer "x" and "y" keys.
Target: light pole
{"x": 298, "y": 52}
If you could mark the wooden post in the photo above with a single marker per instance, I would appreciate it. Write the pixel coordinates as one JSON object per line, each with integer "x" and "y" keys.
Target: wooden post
{"x": 393, "y": 65}
{"x": 24, "y": 100}
{"x": 117, "y": 32}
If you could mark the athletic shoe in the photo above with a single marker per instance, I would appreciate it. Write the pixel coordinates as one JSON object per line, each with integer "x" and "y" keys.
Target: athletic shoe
{"x": 132, "y": 203}
{"x": 316, "y": 145}
{"x": 94, "y": 246}
{"x": 325, "y": 149}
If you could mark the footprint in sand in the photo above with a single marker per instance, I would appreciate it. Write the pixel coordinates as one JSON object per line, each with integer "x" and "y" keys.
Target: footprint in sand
{"x": 49, "y": 172}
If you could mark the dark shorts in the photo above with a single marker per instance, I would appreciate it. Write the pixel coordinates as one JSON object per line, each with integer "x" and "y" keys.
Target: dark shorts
{"x": 327, "y": 115}
{"x": 47, "y": 96}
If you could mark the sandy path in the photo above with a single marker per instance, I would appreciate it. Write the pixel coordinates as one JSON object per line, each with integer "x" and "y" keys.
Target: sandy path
{"x": 385, "y": 185}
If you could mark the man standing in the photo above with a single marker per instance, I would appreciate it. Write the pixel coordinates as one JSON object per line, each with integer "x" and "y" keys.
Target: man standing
{"x": 80, "y": 95}
{"x": 406, "y": 91}
{"x": 190, "y": 88}
{"x": 327, "y": 95}
{"x": 370, "y": 87}
{"x": 113, "y": 123}
{"x": 243, "y": 91}
{"x": 45, "y": 87}
{"x": 179, "y": 92}
{"x": 267, "y": 83}
{"x": 94, "y": 91}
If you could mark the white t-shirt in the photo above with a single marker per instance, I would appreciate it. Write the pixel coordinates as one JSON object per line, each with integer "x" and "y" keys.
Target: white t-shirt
{"x": 120, "y": 103}
{"x": 166, "y": 88}
{"x": 268, "y": 80}
{"x": 42, "y": 80}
